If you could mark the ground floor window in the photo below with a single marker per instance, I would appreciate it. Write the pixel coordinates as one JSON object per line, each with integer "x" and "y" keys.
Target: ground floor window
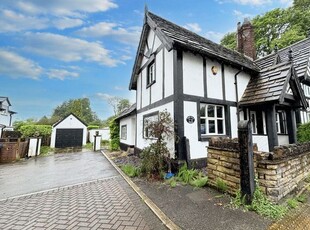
{"x": 212, "y": 119}
{"x": 124, "y": 132}
{"x": 281, "y": 123}
{"x": 147, "y": 121}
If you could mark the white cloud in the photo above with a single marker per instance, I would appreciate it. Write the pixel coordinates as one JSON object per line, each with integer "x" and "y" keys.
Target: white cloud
{"x": 252, "y": 2}
{"x": 65, "y": 22}
{"x": 193, "y": 27}
{"x": 129, "y": 35}
{"x": 60, "y": 7}
{"x": 61, "y": 74}
{"x": 241, "y": 15}
{"x": 11, "y": 21}
{"x": 104, "y": 96}
{"x": 67, "y": 49}
{"x": 119, "y": 88}
{"x": 214, "y": 36}
{"x": 16, "y": 66}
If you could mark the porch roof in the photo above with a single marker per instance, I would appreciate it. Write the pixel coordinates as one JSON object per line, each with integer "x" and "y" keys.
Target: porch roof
{"x": 272, "y": 85}
{"x": 127, "y": 112}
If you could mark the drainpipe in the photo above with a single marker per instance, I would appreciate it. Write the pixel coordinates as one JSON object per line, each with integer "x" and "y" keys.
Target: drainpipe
{"x": 237, "y": 96}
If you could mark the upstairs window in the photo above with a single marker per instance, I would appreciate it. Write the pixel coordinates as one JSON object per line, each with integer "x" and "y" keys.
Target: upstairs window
{"x": 150, "y": 74}
{"x": 212, "y": 119}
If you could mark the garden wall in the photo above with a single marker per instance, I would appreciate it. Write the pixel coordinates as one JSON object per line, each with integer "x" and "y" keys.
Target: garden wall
{"x": 278, "y": 172}
{"x": 12, "y": 149}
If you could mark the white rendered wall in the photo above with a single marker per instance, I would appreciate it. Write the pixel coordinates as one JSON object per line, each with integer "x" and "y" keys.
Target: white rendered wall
{"x": 131, "y": 127}
{"x": 4, "y": 115}
{"x": 145, "y": 91}
{"x": 262, "y": 142}
{"x": 168, "y": 73}
{"x": 197, "y": 148}
{"x": 138, "y": 92}
{"x": 141, "y": 142}
{"x": 214, "y": 82}
{"x": 105, "y": 134}
{"x": 71, "y": 122}
{"x": 283, "y": 140}
{"x": 233, "y": 122}
{"x": 193, "y": 74}
{"x": 157, "y": 88}
{"x": 242, "y": 82}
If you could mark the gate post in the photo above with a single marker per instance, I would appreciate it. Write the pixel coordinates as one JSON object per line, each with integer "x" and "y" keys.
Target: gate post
{"x": 247, "y": 182}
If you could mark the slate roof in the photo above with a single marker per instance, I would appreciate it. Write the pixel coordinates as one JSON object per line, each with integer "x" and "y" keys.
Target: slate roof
{"x": 174, "y": 36}
{"x": 268, "y": 86}
{"x": 272, "y": 84}
{"x": 127, "y": 112}
{"x": 301, "y": 58}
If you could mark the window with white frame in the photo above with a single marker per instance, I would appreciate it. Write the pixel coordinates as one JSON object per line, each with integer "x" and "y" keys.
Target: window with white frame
{"x": 212, "y": 119}
{"x": 148, "y": 120}
{"x": 150, "y": 74}
{"x": 281, "y": 122}
{"x": 124, "y": 132}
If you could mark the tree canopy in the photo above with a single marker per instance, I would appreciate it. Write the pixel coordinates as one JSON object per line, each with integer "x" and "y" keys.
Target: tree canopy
{"x": 281, "y": 27}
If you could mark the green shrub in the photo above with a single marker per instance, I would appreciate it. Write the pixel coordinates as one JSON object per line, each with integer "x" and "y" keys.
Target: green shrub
{"x": 187, "y": 175}
{"x": 114, "y": 135}
{"x": 199, "y": 181}
{"x": 105, "y": 142}
{"x": 302, "y": 198}
{"x": 152, "y": 161}
{"x": 303, "y": 132}
{"x": 130, "y": 170}
{"x": 221, "y": 185}
{"x": 45, "y": 150}
{"x": 292, "y": 203}
{"x": 35, "y": 130}
{"x": 90, "y": 127}
{"x": 260, "y": 204}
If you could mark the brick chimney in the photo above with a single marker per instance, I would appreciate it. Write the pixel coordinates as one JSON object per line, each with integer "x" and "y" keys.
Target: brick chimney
{"x": 245, "y": 39}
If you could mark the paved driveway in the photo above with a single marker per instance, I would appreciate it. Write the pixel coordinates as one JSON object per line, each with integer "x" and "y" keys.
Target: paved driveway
{"x": 70, "y": 191}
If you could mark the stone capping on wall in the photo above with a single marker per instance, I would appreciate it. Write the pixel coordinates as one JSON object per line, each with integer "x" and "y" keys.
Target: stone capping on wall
{"x": 278, "y": 173}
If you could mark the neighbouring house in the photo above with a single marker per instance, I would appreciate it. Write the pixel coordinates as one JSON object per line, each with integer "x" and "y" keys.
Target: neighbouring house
{"x": 208, "y": 88}
{"x": 69, "y": 132}
{"x": 5, "y": 115}
{"x": 127, "y": 124}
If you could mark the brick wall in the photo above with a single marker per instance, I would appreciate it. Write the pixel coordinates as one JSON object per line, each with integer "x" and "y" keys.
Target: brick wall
{"x": 278, "y": 172}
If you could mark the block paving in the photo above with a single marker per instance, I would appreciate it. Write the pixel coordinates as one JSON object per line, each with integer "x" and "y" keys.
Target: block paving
{"x": 298, "y": 220}
{"x": 101, "y": 204}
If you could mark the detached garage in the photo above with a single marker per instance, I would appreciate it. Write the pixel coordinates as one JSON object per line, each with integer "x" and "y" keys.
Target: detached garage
{"x": 69, "y": 132}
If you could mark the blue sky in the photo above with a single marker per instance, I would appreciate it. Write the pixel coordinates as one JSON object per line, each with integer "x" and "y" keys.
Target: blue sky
{"x": 53, "y": 51}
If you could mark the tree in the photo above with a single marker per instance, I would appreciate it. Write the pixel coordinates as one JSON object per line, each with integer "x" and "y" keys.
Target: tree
{"x": 118, "y": 104}
{"x": 122, "y": 105}
{"x": 156, "y": 157}
{"x": 229, "y": 40}
{"x": 79, "y": 107}
{"x": 281, "y": 27}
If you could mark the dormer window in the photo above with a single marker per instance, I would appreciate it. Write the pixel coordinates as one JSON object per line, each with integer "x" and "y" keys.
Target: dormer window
{"x": 150, "y": 74}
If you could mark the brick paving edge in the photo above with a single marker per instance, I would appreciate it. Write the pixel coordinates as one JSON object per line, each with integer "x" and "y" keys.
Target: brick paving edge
{"x": 160, "y": 214}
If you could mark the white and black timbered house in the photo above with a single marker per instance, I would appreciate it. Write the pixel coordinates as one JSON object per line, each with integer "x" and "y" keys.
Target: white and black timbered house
{"x": 5, "y": 115}
{"x": 207, "y": 88}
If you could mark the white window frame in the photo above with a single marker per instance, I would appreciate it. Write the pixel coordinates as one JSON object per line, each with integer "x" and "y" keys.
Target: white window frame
{"x": 151, "y": 117}
{"x": 278, "y": 123}
{"x": 208, "y": 118}
{"x": 150, "y": 78}
{"x": 124, "y": 133}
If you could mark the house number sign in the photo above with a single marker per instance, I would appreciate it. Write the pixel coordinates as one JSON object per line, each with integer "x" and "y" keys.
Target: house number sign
{"x": 190, "y": 119}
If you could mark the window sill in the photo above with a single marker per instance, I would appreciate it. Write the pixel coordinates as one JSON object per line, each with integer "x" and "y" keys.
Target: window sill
{"x": 208, "y": 137}
{"x": 150, "y": 84}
